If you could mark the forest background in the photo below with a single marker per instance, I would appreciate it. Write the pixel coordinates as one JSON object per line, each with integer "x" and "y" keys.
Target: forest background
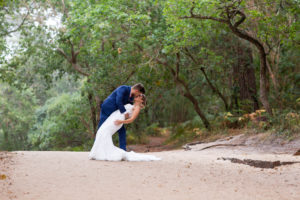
{"x": 208, "y": 66}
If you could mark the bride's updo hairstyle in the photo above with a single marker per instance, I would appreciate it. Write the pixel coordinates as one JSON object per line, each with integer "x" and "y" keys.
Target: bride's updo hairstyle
{"x": 144, "y": 101}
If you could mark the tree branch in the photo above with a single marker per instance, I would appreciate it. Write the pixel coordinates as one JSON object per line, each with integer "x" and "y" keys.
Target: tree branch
{"x": 79, "y": 47}
{"x": 205, "y": 17}
{"x": 192, "y": 15}
{"x": 79, "y": 69}
{"x": 177, "y": 64}
{"x": 73, "y": 60}
{"x": 86, "y": 124}
{"x": 129, "y": 76}
{"x": 214, "y": 89}
{"x": 65, "y": 10}
{"x": 243, "y": 17}
{"x": 63, "y": 54}
{"x": 188, "y": 53}
{"x": 16, "y": 29}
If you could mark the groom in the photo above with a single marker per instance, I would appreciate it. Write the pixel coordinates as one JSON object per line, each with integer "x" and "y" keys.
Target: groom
{"x": 116, "y": 100}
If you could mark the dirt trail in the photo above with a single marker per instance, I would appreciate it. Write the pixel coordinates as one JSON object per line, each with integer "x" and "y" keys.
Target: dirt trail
{"x": 184, "y": 175}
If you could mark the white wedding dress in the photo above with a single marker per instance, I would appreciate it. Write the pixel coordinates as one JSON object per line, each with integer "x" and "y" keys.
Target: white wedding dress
{"x": 104, "y": 149}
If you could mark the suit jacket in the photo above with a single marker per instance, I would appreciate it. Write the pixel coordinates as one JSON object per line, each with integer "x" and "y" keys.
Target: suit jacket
{"x": 117, "y": 99}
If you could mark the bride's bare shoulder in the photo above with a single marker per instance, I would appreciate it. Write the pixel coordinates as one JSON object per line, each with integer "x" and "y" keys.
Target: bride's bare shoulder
{"x": 136, "y": 107}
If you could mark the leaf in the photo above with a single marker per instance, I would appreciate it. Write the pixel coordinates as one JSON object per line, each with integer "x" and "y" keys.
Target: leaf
{"x": 3, "y": 177}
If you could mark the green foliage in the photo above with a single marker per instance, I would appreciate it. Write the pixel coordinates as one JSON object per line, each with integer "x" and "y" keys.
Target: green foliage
{"x": 153, "y": 130}
{"x": 17, "y": 117}
{"x": 284, "y": 123}
{"x": 135, "y": 137}
{"x": 60, "y": 123}
{"x": 59, "y": 75}
{"x": 182, "y": 133}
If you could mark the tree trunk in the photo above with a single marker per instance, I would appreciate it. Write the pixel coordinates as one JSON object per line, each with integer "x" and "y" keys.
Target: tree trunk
{"x": 6, "y": 141}
{"x": 194, "y": 101}
{"x": 263, "y": 80}
{"x": 93, "y": 112}
{"x": 231, "y": 13}
{"x": 187, "y": 93}
{"x": 263, "y": 66}
{"x": 98, "y": 108}
{"x": 244, "y": 82}
{"x": 214, "y": 89}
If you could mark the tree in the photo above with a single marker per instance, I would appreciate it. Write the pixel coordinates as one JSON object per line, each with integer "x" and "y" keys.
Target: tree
{"x": 17, "y": 117}
{"x": 233, "y": 15}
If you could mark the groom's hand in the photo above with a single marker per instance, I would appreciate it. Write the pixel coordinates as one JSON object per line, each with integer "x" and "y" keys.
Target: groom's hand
{"x": 118, "y": 122}
{"x": 126, "y": 115}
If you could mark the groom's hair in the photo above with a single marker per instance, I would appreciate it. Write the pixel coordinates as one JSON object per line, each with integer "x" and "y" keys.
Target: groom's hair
{"x": 139, "y": 87}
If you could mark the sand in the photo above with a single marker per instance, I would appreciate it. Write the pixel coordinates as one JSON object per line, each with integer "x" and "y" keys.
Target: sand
{"x": 184, "y": 175}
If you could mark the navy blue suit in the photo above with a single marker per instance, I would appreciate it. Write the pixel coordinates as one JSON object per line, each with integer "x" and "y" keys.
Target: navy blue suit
{"x": 118, "y": 98}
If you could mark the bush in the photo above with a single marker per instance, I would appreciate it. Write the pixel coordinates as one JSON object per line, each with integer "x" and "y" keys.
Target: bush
{"x": 59, "y": 124}
{"x": 136, "y": 138}
{"x": 285, "y": 123}
{"x": 182, "y": 133}
{"x": 153, "y": 130}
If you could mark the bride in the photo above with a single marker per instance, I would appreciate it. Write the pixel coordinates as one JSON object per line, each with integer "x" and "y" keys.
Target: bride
{"x": 104, "y": 149}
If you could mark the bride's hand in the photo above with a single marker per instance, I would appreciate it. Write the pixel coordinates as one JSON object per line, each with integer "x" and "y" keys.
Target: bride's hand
{"x": 118, "y": 122}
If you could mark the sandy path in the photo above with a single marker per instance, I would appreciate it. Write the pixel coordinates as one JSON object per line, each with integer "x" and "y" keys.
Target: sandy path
{"x": 183, "y": 175}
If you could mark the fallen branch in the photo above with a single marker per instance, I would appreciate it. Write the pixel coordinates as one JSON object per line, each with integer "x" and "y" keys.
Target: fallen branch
{"x": 297, "y": 153}
{"x": 259, "y": 163}
{"x": 216, "y": 145}
{"x": 187, "y": 146}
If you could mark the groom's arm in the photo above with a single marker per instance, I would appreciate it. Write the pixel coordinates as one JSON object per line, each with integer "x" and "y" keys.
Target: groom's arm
{"x": 119, "y": 97}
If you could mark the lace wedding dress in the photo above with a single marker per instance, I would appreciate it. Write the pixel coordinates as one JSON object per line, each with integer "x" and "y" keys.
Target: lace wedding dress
{"x": 104, "y": 149}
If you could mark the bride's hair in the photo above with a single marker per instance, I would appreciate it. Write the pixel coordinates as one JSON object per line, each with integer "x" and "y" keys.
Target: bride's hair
{"x": 144, "y": 100}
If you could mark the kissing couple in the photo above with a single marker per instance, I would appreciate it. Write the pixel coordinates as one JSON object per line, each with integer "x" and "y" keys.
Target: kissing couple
{"x": 121, "y": 107}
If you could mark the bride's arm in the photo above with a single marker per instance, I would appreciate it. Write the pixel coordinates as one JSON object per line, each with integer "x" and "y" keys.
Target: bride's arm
{"x": 135, "y": 113}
